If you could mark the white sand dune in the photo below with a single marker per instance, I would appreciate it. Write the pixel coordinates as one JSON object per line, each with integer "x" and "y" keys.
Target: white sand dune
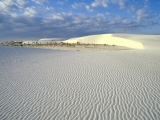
{"x": 40, "y": 84}
{"x": 127, "y": 40}
{"x": 51, "y": 39}
{"x": 45, "y": 40}
{"x": 148, "y": 41}
{"x": 29, "y": 42}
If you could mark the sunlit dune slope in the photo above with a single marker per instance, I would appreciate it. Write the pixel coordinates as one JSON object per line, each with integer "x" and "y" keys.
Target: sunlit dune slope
{"x": 136, "y": 41}
{"x": 109, "y": 39}
{"x": 148, "y": 41}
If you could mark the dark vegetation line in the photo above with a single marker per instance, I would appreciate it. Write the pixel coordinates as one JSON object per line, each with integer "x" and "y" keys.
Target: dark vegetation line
{"x": 53, "y": 44}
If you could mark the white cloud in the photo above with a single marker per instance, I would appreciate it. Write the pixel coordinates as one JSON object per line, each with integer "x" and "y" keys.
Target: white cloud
{"x": 21, "y": 2}
{"x": 89, "y": 8}
{"x": 22, "y": 7}
{"x": 107, "y": 13}
{"x": 131, "y": 8}
{"x": 142, "y": 13}
{"x": 77, "y": 5}
{"x": 78, "y": 19}
{"x": 118, "y": 17}
{"x": 57, "y": 16}
{"x": 7, "y": 5}
{"x": 14, "y": 14}
{"x": 126, "y": 21}
{"x": 100, "y": 15}
{"x": 121, "y": 3}
{"x": 98, "y": 3}
{"x": 49, "y": 8}
{"x": 30, "y": 12}
{"x": 82, "y": 5}
{"x": 61, "y": 3}
{"x": 67, "y": 14}
{"x": 40, "y": 1}
{"x": 105, "y": 3}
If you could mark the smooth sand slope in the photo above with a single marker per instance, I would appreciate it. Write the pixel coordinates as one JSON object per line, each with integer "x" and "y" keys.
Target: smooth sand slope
{"x": 40, "y": 84}
{"x": 135, "y": 41}
{"x": 109, "y": 39}
{"x": 148, "y": 41}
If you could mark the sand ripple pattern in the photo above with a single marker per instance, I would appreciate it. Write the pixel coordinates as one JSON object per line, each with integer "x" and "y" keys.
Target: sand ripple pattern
{"x": 41, "y": 84}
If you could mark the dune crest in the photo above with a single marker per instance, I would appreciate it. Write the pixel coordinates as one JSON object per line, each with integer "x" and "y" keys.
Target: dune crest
{"x": 109, "y": 39}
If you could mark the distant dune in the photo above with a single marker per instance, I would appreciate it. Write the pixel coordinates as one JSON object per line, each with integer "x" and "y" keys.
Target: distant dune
{"x": 45, "y": 40}
{"x": 127, "y": 40}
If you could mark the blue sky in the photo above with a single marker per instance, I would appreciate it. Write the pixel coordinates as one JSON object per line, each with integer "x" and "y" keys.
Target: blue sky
{"x": 35, "y": 19}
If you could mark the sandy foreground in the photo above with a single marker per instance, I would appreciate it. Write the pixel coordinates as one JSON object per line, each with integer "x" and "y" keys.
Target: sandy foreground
{"x": 43, "y": 84}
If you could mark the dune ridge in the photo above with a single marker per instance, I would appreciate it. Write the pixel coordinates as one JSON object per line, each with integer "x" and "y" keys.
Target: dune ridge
{"x": 38, "y": 84}
{"x": 109, "y": 39}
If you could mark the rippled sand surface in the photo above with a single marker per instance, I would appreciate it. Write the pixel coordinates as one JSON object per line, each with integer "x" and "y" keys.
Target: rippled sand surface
{"x": 40, "y": 84}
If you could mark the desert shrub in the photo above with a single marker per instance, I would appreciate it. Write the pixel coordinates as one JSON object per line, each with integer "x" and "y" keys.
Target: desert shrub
{"x": 55, "y": 44}
{"x": 78, "y": 43}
